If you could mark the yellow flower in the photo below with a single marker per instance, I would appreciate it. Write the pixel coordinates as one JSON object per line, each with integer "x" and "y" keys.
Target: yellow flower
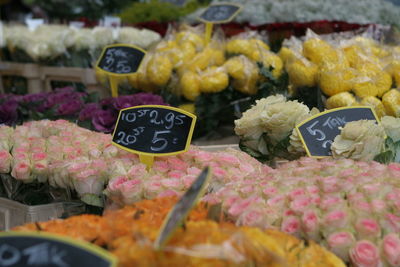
{"x": 287, "y": 54}
{"x": 193, "y": 38}
{"x": 188, "y": 51}
{"x": 343, "y": 99}
{"x": 189, "y": 107}
{"x": 319, "y": 51}
{"x": 190, "y": 85}
{"x": 391, "y": 101}
{"x": 213, "y": 80}
{"x": 165, "y": 46}
{"x": 302, "y": 73}
{"x": 258, "y": 44}
{"x": 239, "y": 46}
{"x": 159, "y": 69}
{"x": 361, "y": 140}
{"x": 334, "y": 81}
{"x": 244, "y": 73}
{"x": 376, "y": 104}
{"x": 372, "y": 81}
{"x": 394, "y": 70}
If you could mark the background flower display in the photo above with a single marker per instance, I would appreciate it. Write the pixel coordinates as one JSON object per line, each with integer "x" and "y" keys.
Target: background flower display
{"x": 65, "y": 46}
{"x": 269, "y": 11}
{"x": 267, "y": 132}
{"x": 66, "y": 103}
{"x": 202, "y": 241}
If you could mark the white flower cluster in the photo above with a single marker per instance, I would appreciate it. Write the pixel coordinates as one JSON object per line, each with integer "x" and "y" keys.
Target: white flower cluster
{"x": 361, "y": 11}
{"x": 49, "y": 41}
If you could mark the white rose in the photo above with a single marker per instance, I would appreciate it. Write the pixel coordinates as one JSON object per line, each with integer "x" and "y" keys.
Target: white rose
{"x": 279, "y": 119}
{"x": 361, "y": 140}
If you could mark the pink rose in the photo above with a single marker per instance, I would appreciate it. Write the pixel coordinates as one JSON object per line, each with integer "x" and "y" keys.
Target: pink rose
{"x": 176, "y": 174}
{"x": 226, "y": 158}
{"x": 240, "y": 206}
{"x": 330, "y": 184}
{"x": 296, "y": 193}
{"x": 193, "y": 171}
{"x": 367, "y": 229}
{"x": 5, "y": 161}
{"x": 300, "y": 204}
{"x": 177, "y": 164}
{"x": 137, "y": 171}
{"x": 365, "y": 254}
{"x": 340, "y": 243}
{"x": 290, "y": 225}
{"x": 168, "y": 193}
{"x": 378, "y": 206}
{"x": 335, "y": 219}
{"x": 132, "y": 191}
{"x": 393, "y": 222}
{"x": 310, "y": 224}
{"x": 391, "y": 249}
{"x": 329, "y": 203}
{"x": 88, "y": 182}
{"x": 175, "y": 184}
{"x": 22, "y": 171}
{"x": 269, "y": 191}
{"x": 252, "y": 217}
{"x": 116, "y": 183}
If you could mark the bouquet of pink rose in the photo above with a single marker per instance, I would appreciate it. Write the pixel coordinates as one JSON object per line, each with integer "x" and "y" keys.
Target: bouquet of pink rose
{"x": 353, "y": 208}
{"x": 63, "y": 155}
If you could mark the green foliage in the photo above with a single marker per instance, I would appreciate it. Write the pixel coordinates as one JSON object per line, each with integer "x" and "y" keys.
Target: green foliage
{"x": 391, "y": 153}
{"x": 155, "y": 10}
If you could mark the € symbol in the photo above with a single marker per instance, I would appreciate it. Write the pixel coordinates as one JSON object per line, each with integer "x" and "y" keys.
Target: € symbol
{"x": 175, "y": 140}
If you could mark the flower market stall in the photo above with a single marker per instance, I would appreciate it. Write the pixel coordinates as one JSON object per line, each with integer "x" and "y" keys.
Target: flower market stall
{"x": 108, "y": 165}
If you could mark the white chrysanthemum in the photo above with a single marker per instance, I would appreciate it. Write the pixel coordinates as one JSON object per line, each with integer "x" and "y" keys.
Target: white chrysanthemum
{"x": 361, "y": 140}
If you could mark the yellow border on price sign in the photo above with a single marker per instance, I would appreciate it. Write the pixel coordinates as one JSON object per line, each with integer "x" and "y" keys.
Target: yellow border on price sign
{"x": 188, "y": 141}
{"x": 118, "y": 45}
{"x": 221, "y": 21}
{"x": 323, "y": 113}
{"x": 66, "y": 240}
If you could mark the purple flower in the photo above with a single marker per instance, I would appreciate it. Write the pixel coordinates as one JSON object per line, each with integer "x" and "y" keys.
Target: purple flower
{"x": 104, "y": 120}
{"x": 70, "y": 107}
{"x": 8, "y": 112}
{"x": 148, "y": 99}
{"x": 125, "y": 101}
{"x": 107, "y": 102}
{"x": 35, "y": 97}
{"x": 88, "y": 111}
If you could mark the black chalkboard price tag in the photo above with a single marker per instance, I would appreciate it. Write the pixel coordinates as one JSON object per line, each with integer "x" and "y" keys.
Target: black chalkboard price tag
{"x": 120, "y": 59}
{"x": 220, "y": 13}
{"x": 318, "y": 132}
{"x": 180, "y": 211}
{"x": 154, "y": 130}
{"x": 18, "y": 249}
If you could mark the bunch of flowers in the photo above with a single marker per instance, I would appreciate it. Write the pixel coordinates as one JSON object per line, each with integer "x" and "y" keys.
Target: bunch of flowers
{"x": 348, "y": 206}
{"x": 48, "y": 42}
{"x": 200, "y": 242}
{"x": 67, "y": 103}
{"x": 355, "y": 71}
{"x": 267, "y": 131}
{"x": 270, "y": 11}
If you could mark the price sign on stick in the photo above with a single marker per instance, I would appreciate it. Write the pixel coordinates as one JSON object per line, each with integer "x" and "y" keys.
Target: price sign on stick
{"x": 218, "y": 13}
{"x": 181, "y": 210}
{"x": 154, "y": 130}
{"x": 318, "y": 132}
{"x": 119, "y": 60}
{"x": 18, "y": 249}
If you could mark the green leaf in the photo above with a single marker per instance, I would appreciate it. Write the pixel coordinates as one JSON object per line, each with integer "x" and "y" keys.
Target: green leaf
{"x": 93, "y": 200}
{"x": 385, "y": 157}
